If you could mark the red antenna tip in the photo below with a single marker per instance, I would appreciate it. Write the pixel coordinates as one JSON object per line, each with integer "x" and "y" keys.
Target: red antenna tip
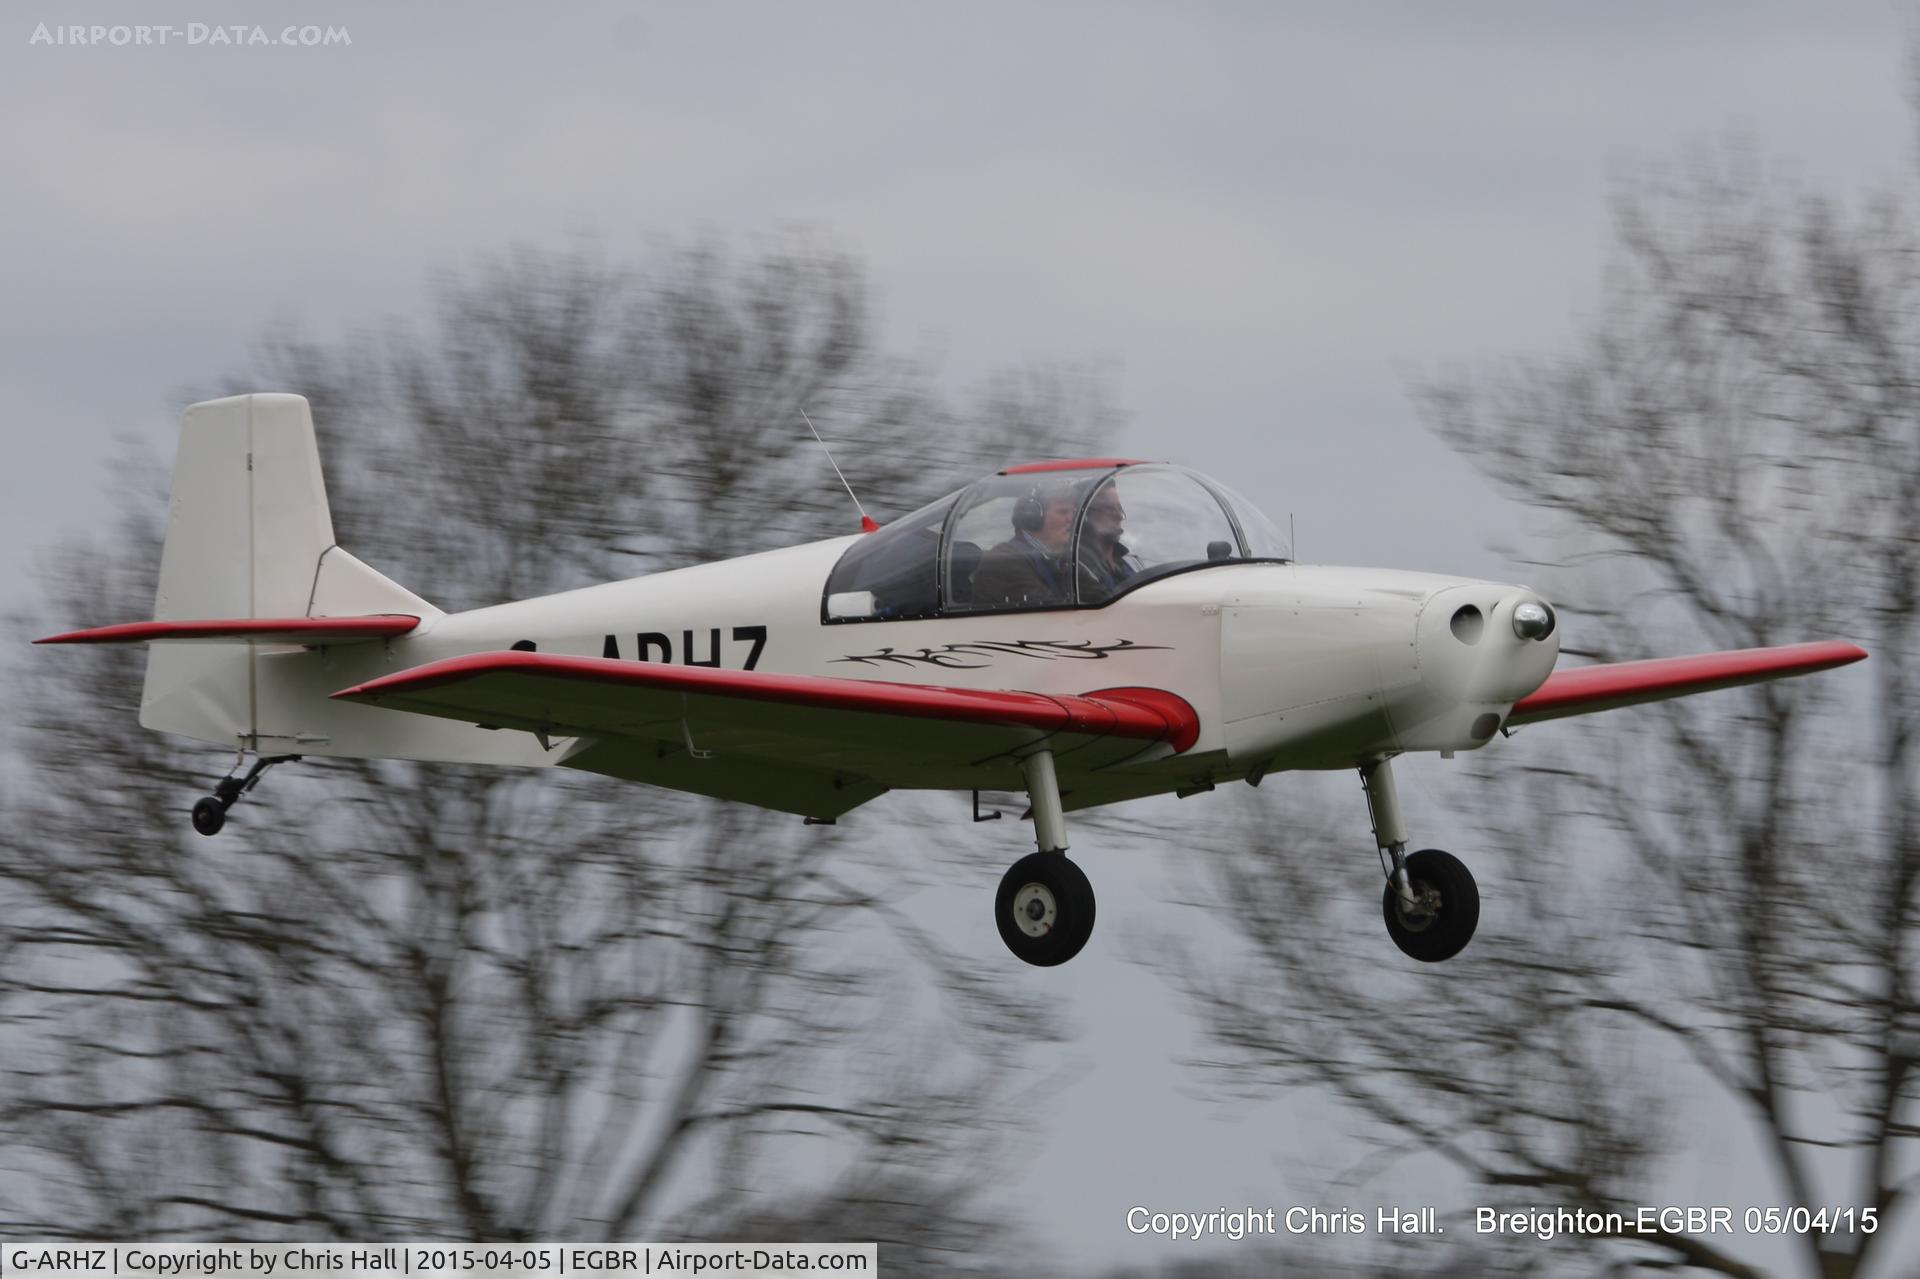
{"x": 867, "y": 525}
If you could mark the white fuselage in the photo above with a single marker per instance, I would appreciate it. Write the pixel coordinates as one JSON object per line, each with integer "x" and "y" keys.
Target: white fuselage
{"x": 1287, "y": 666}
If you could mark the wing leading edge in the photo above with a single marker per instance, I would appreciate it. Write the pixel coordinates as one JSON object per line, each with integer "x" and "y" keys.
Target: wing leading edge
{"x": 1586, "y": 689}
{"x": 257, "y": 630}
{"x": 479, "y": 684}
{"x": 801, "y": 743}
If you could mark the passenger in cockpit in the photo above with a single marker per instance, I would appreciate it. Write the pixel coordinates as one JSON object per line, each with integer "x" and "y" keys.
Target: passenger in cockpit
{"x": 1105, "y": 561}
{"x": 1029, "y": 570}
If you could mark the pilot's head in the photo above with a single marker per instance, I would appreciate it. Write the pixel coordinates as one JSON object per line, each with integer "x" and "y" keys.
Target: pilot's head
{"x": 1056, "y": 527}
{"x": 1105, "y": 515}
{"x": 1046, "y": 515}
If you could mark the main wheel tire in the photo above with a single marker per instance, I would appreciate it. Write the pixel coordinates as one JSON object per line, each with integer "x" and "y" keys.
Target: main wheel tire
{"x": 1451, "y": 899}
{"x": 1044, "y": 909}
{"x": 209, "y": 815}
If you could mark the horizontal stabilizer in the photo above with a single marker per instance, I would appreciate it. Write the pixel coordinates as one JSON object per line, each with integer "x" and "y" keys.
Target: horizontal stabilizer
{"x": 1587, "y": 689}
{"x": 311, "y": 631}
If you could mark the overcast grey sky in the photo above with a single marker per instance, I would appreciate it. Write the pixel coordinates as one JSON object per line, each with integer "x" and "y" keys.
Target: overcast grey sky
{"x": 1265, "y": 217}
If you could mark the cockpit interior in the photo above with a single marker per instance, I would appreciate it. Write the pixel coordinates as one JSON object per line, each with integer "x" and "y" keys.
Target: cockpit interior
{"x": 1048, "y": 535}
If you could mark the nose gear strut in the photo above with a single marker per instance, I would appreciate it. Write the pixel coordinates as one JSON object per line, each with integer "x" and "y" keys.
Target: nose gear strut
{"x": 1431, "y": 903}
{"x": 1389, "y": 827}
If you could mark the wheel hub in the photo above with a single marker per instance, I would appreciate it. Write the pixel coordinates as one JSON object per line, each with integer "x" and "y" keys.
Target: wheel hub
{"x": 1425, "y": 911}
{"x": 1035, "y": 910}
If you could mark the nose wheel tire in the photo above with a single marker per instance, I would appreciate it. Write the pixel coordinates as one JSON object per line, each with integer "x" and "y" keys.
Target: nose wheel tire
{"x": 1448, "y": 907}
{"x": 1044, "y": 909}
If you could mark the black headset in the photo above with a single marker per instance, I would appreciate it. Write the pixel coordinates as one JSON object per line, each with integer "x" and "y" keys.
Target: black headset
{"x": 1029, "y": 513}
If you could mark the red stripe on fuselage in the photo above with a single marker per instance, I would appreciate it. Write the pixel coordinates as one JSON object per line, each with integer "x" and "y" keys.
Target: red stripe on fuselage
{"x": 1073, "y": 464}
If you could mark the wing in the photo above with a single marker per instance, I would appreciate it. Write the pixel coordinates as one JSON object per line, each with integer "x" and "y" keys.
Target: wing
{"x": 257, "y": 630}
{"x": 811, "y": 744}
{"x": 1587, "y": 689}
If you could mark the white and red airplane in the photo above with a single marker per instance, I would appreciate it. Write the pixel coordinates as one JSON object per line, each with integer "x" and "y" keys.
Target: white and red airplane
{"x": 1086, "y": 631}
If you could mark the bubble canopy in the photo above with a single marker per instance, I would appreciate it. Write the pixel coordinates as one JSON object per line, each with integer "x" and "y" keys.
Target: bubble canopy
{"x": 1048, "y": 536}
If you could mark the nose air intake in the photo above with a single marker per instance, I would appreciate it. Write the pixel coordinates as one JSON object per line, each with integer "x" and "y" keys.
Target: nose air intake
{"x": 1481, "y": 647}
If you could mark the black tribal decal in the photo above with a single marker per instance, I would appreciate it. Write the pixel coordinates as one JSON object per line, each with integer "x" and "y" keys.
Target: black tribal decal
{"x": 953, "y": 656}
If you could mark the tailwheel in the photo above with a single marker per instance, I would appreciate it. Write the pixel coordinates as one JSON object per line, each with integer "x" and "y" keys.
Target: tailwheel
{"x": 1044, "y": 909}
{"x": 1444, "y": 911}
{"x": 209, "y": 815}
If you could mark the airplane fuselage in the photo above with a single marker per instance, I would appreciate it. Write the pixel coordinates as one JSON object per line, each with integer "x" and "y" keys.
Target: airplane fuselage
{"x": 1286, "y": 666}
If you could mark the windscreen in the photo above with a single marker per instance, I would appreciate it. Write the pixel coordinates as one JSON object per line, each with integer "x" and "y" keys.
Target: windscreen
{"x": 1040, "y": 539}
{"x": 892, "y": 572}
{"x": 1145, "y": 521}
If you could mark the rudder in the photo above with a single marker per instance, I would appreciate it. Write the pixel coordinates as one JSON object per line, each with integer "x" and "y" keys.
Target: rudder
{"x": 248, "y": 534}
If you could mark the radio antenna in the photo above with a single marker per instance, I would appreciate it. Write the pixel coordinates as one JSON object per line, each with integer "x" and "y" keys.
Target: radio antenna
{"x": 866, "y": 521}
{"x": 1292, "y": 545}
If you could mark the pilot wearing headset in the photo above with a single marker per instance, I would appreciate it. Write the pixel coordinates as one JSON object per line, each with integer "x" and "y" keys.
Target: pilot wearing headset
{"x": 1030, "y": 570}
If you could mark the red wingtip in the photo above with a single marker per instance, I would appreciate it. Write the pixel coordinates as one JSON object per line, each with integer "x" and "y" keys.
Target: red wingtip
{"x": 867, "y": 525}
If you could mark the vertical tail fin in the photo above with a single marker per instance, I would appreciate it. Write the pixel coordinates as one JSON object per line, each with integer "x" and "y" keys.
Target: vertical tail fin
{"x": 248, "y": 535}
{"x": 248, "y": 521}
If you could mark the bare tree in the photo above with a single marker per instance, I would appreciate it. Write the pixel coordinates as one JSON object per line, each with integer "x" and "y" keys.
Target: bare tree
{"x": 1720, "y": 895}
{"x": 423, "y": 1001}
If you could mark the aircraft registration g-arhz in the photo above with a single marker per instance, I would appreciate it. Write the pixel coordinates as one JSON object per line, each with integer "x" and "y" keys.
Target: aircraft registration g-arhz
{"x": 1084, "y": 631}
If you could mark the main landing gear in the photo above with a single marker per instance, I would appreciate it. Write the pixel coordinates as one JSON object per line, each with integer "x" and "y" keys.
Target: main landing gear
{"x": 210, "y": 813}
{"x": 1044, "y": 908}
{"x": 1431, "y": 902}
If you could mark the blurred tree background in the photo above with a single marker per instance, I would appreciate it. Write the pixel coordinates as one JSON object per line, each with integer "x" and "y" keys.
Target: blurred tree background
{"x": 1701, "y": 937}
{"x": 406, "y": 1001}
{"x": 413, "y": 1001}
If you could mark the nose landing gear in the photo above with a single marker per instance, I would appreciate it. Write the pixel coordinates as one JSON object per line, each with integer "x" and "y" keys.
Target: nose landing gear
{"x": 210, "y": 813}
{"x": 1045, "y": 907}
{"x": 1445, "y": 912}
{"x": 1431, "y": 903}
